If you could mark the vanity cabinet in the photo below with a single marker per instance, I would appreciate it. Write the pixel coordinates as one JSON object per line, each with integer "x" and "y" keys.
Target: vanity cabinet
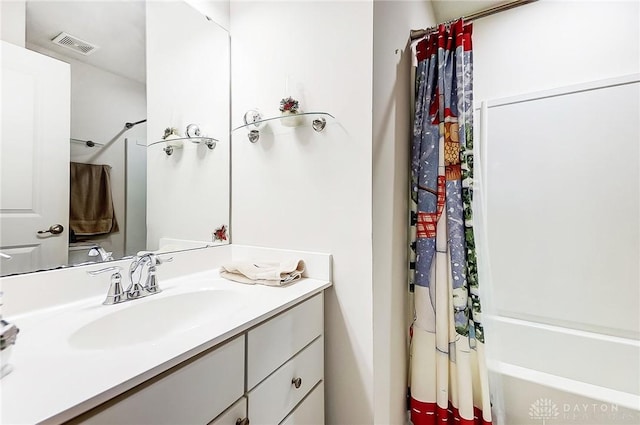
{"x": 310, "y": 411}
{"x": 270, "y": 374}
{"x": 272, "y": 400}
{"x": 194, "y": 392}
{"x": 285, "y": 361}
{"x": 235, "y": 415}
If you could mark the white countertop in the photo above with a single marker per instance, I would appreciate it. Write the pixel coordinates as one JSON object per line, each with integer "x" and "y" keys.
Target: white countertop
{"x": 54, "y": 380}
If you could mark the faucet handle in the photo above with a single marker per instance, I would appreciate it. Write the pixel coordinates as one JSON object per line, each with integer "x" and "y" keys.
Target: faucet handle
{"x": 115, "y": 294}
{"x": 154, "y": 257}
{"x": 151, "y": 285}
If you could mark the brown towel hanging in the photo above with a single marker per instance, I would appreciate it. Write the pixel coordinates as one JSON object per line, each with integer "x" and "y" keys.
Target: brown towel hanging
{"x": 91, "y": 209}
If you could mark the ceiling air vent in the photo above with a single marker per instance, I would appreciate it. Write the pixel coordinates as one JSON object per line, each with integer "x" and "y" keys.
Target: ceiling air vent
{"x": 74, "y": 43}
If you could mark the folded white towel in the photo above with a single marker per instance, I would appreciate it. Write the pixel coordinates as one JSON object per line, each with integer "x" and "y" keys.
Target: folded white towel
{"x": 264, "y": 273}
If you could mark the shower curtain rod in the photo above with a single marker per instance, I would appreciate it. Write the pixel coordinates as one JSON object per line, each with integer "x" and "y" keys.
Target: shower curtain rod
{"x": 416, "y": 34}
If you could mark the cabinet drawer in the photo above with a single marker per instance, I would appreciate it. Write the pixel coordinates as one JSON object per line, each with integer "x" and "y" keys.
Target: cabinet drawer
{"x": 277, "y": 395}
{"x": 273, "y": 343}
{"x": 310, "y": 411}
{"x": 234, "y": 415}
{"x": 192, "y": 393}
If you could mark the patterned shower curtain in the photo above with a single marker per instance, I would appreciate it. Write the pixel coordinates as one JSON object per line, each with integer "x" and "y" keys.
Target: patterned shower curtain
{"x": 448, "y": 377}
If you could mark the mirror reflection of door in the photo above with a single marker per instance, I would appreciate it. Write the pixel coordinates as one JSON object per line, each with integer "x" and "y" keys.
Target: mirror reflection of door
{"x": 34, "y": 164}
{"x": 107, "y": 90}
{"x": 181, "y": 71}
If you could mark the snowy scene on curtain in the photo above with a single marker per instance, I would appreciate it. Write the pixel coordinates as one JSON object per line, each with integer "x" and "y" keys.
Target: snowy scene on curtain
{"x": 448, "y": 376}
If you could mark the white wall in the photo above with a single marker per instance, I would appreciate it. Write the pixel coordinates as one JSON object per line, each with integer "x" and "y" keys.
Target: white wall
{"x": 554, "y": 43}
{"x": 187, "y": 82}
{"x": 13, "y": 24}
{"x": 297, "y": 189}
{"x": 101, "y": 103}
{"x": 391, "y": 147}
{"x": 543, "y": 46}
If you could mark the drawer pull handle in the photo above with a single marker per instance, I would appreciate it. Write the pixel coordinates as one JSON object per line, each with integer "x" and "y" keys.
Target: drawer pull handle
{"x": 296, "y": 382}
{"x": 241, "y": 421}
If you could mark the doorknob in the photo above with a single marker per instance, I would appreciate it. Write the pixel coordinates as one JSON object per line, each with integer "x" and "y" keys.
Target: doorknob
{"x": 56, "y": 229}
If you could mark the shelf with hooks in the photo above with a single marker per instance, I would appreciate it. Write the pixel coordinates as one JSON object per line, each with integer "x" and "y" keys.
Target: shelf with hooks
{"x": 176, "y": 143}
{"x": 254, "y": 122}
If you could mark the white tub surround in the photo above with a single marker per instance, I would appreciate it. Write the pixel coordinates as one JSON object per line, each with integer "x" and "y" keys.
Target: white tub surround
{"x": 73, "y": 354}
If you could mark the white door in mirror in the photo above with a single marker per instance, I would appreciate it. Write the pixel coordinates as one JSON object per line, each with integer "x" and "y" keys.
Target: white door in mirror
{"x": 34, "y": 160}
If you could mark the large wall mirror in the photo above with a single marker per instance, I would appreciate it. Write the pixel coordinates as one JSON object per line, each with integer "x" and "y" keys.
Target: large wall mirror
{"x": 89, "y": 171}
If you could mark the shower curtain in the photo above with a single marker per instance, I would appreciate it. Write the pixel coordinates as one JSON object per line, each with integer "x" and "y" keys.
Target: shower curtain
{"x": 448, "y": 377}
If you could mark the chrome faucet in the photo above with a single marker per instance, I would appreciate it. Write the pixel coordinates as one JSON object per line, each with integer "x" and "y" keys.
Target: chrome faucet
{"x": 135, "y": 290}
{"x": 151, "y": 283}
{"x": 98, "y": 250}
{"x": 116, "y": 294}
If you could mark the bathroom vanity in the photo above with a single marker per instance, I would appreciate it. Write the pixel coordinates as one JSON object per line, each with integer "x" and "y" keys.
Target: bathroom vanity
{"x": 203, "y": 351}
{"x": 284, "y": 370}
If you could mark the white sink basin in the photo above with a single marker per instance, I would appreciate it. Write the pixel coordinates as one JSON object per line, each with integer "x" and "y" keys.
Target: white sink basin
{"x": 153, "y": 318}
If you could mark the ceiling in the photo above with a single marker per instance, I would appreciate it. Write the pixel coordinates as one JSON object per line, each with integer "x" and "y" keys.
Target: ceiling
{"x": 117, "y": 27}
{"x": 446, "y": 10}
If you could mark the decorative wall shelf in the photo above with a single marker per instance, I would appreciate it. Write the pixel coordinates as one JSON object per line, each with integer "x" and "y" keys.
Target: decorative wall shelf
{"x": 176, "y": 143}
{"x": 254, "y": 122}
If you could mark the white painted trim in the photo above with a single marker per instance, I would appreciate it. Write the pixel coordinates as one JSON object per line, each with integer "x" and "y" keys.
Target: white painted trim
{"x": 564, "y": 90}
{"x": 630, "y": 401}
